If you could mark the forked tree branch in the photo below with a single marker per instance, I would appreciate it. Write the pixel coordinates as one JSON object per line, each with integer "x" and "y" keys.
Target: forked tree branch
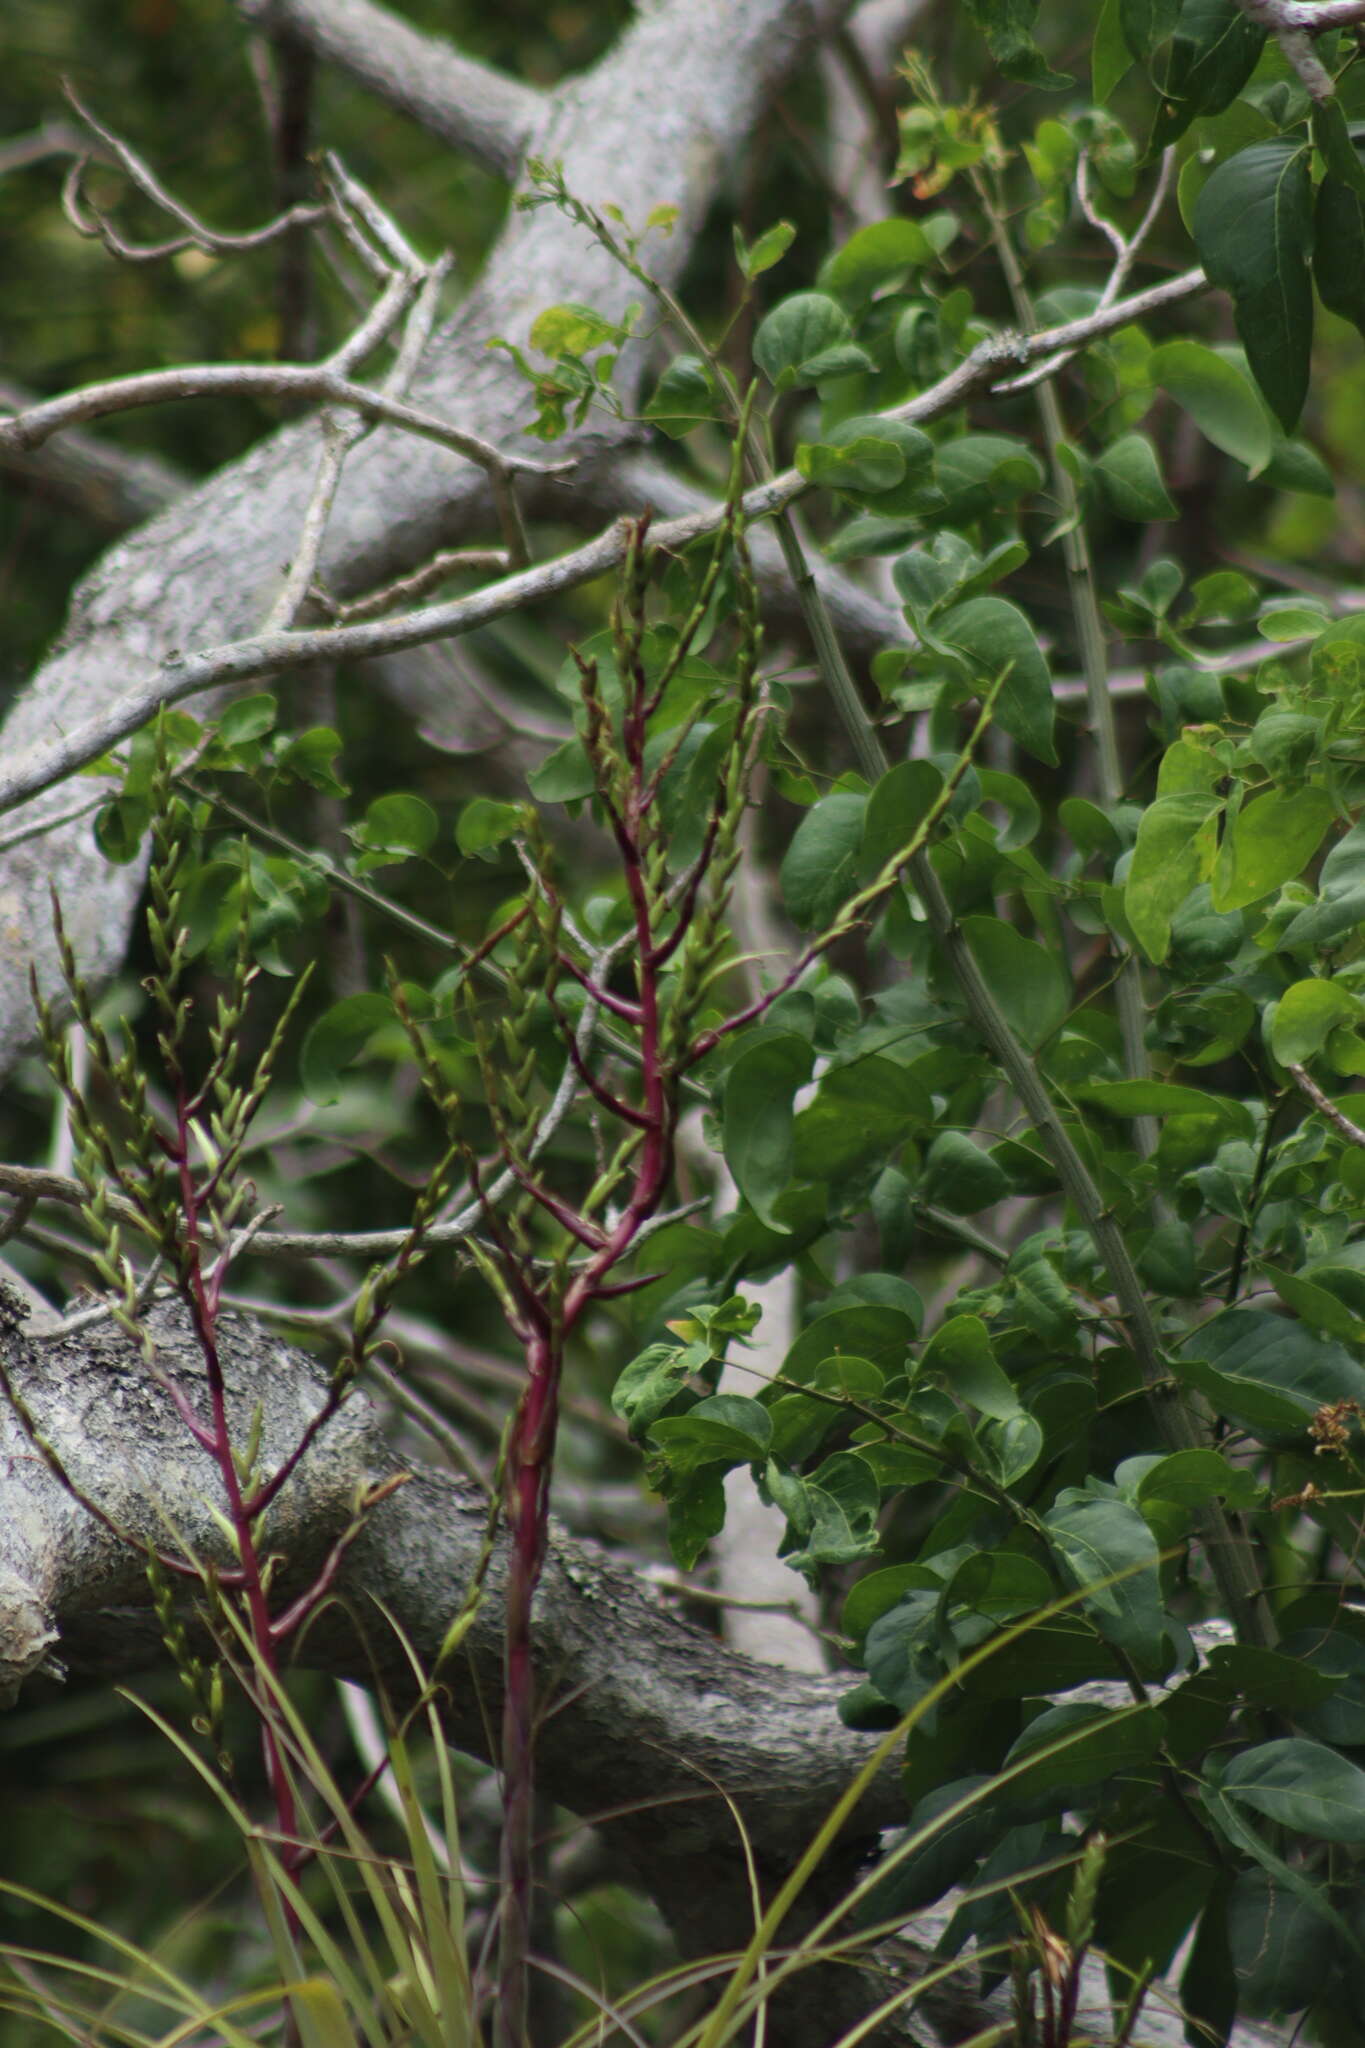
{"x": 480, "y": 112}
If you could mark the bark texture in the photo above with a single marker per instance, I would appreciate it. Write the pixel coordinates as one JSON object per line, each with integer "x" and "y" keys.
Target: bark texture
{"x": 656, "y": 123}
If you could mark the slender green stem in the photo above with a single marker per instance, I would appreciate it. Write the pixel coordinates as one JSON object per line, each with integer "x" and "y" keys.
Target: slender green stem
{"x": 1091, "y": 644}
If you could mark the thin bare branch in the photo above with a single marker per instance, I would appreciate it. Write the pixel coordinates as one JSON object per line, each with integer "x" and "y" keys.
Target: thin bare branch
{"x": 1337, "y": 1118}
{"x": 181, "y": 676}
{"x": 87, "y": 219}
{"x": 1295, "y": 23}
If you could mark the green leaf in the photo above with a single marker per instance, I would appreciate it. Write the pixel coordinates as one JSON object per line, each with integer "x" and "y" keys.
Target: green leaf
{"x": 400, "y": 824}
{"x": 684, "y": 397}
{"x": 994, "y": 639}
{"x": 861, "y": 1112}
{"x": 1253, "y": 226}
{"x": 882, "y": 1335}
{"x": 1272, "y": 840}
{"x": 729, "y": 1429}
{"x": 1282, "y": 1951}
{"x": 1339, "y": 249}
{"x": 1097, "y": 1744}
{"x": 960, "y": 1353}
{"x": 1008, "y": 27}
{"x": 1175, "y": 851}
{"x": 309, "y": 756}
{"x": 896, "y": 807}
{"x": 758, "y": 1119}
{"x": 1147, "y": 24}
{"x": 336, "y": 1038}
{"x": 877, "y": 255}
{"x": 564, "y": 777}
{"x": 960, "y": 1178}
{"x": 1341, "y": 896}
{"x": 1267, "y": 1373}
{"x": 645, "y": 1387}
{"x": 1213, "y": 51}
{"x": 250, "y": 718}
{"x": 1167, "y": 1098}
{"x": 1129, "y": 476}
{"x": 820, "y": 869}
{"x": 793, "y": 337}
{"x": 1219, "y": 398}
{"x": 771, "y": 246}
{"x": 1025, "y": 978}
{"x": 1095, "y": 1538}
{"x": 868, "y": 455}
{"x": 836, "y": 1521}
{"x": 1332, "y": 136}
{"x": 484, "y": 825}
{"x": 1110, "y": 56}
{"x": 120, "y": 826}
{"x": 1193, "y": 1478}
{"x": 981, "y": 473}
{"x": 1300, "y": 1785}
{"x": 696, "y": 1513}
{"x": 1306, "y": 1014}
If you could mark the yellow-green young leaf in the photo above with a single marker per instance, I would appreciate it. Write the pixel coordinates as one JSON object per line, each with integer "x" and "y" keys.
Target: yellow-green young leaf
{"x": 1272, "y": 840}
{"x": 1220, "y": 399}
{"x": 758, "y": 1119}
{"x": 768, "y": 250}
{"x": 1305, "y": 1016}
{"x": 1253, "y": 227}
{"x": 1025, "y": 978}
{"x": 1175, "y": 851}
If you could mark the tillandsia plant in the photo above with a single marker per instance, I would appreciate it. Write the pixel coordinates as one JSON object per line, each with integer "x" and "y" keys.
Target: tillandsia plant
{"x": 169, "y": 1208}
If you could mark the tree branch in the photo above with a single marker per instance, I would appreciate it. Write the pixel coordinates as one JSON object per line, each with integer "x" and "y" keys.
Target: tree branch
{"x": 651, "y": 1728}
{"x": 207, "y": 572}
{"x": 478, "y": 111}
{"x": 182, "y": 676}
